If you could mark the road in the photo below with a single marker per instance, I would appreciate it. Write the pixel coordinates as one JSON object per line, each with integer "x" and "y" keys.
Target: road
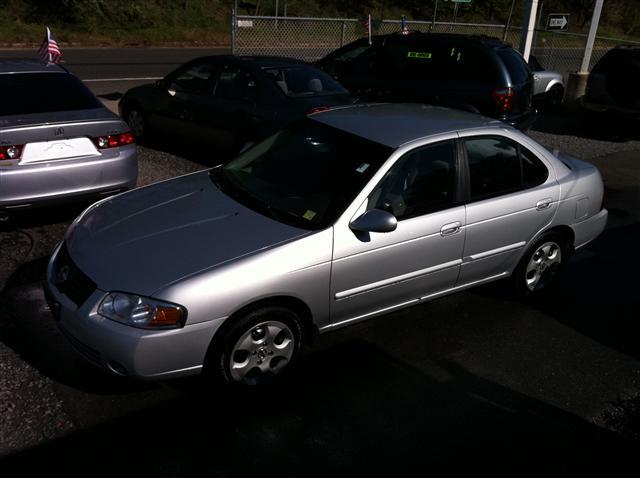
{"x": 477, "y": 382}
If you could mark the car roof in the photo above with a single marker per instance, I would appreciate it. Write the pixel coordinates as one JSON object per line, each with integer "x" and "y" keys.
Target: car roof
{"x": 394, "y": 124}
{"x": 491, "y": 42}
{"x": 257, "y": 60}
{"x": 29, "y": 66}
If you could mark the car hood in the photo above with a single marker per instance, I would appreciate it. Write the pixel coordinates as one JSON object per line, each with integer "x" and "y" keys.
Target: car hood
{"x": 145, "y": 239}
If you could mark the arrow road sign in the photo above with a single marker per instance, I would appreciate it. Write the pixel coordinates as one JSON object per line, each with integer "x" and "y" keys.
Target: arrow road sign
{"x": 557, "y": 21}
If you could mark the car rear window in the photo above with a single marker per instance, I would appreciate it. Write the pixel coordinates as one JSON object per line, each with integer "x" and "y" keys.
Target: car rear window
{"x": 301, "y": 81}
{"x": 28, "y": 93}
{"x": 425, "y": 61}
{"x": 518, "y": 69}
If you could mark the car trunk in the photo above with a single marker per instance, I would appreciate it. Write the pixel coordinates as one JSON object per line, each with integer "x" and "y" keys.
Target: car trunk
{"x": 58, "y": 135}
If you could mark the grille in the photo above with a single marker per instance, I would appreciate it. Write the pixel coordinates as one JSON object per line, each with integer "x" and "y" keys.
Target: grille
{"x": 70, "y": 280}
{"x": 91, "y": 354}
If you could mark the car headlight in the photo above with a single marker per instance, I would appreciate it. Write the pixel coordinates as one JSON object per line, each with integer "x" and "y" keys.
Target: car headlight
{"x": 142, "y": 312}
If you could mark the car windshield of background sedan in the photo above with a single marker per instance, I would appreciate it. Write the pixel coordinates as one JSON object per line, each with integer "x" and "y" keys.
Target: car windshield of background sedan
{"x": 304, "y": 176}
{"x": 299, "y": 81}
{"x": 29, "y": 93}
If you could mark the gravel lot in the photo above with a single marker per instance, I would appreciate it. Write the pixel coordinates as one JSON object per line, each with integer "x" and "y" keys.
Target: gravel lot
{"x": 31, "y": 410}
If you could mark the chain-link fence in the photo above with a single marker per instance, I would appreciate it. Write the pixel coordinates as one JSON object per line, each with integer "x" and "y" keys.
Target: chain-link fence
{"x": 297, "y": 37}
{"x": 312, "y": 38}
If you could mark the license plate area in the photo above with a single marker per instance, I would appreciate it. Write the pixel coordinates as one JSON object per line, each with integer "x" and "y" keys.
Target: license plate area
{"x": 58, "y": 149}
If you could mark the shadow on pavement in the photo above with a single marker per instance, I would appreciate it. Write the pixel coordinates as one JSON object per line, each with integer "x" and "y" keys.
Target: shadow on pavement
{"x": 201, "y": 153}
{"x": 584, "y": 125}
{"x": 349, "y": 410}
{"x": 43, "y": 216}
{"x": 599, "y": 296}
{"x": 27, "y": 326}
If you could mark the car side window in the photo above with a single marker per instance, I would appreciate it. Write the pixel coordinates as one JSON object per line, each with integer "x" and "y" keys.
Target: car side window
{"x": 195, "y": 79}
{"x": 534, "y": 172}
{"x": 235, "y": 83}
{"x": 500, "y": 166}
{"x": 420, "y": 182}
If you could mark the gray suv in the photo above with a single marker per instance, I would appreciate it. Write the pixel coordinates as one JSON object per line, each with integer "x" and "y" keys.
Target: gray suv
{"x": 473, "y": 73}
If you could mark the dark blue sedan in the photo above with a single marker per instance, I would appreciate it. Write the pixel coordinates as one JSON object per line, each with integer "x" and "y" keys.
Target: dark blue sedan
{"x": 228, "y": 101}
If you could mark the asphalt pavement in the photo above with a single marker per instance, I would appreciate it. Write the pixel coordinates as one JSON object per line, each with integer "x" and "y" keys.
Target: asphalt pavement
{"x": 476, "y": 382}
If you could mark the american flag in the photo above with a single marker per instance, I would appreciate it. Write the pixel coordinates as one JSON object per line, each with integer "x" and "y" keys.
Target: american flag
{"x": 49, "y": 51}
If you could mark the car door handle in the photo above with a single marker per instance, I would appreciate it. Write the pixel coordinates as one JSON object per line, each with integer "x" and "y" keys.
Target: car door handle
{"x": 543, "y": 204}
{"x": 451, "y": 228}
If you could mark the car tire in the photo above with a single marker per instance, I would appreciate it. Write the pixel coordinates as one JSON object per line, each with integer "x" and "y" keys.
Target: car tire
{"x": 541, "y": 265}
{"x": 137, "y": 121}
{"x": 256, "y": 349}
{"x": 554, "y": 98}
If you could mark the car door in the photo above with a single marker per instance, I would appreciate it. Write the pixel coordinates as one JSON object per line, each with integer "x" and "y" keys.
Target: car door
{"x": 375, "y": 272}
{"x": 512, "y": 196}
{"x": 234, "y": 109}
{"x": 187, "y": 90}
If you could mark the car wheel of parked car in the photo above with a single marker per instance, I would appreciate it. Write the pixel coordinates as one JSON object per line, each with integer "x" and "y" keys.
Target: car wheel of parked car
{"x": 136, "y": 120}
{"x": 542, "y": 263}
{"x": 554, "y": 98}
{"x": 259, "y": 346}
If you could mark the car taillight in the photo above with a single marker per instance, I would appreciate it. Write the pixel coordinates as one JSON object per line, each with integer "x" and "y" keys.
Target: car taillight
{"x": 317, "y": 109}
{"x": 504, "y": 98}
{"x": 11, "y": 152}
{"x": 113, "y": 140}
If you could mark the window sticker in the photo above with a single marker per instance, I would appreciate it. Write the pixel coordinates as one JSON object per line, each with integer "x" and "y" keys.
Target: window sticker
{"x": 309, "y": 215}
{"x": 362, "y": 168}
{"x": 419, "y": 54}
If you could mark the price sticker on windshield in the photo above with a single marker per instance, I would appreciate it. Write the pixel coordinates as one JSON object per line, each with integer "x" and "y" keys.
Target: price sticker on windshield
{"x": 419, "y": 54}
{"x": 362, "y": 168}
{"x": 309, "y": 215}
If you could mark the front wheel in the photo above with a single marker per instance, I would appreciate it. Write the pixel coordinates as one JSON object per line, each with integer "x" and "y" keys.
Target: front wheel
{"x": 257, "y": 348}
{"x": 541, "y": 265}
{"x": 554, "y": 98}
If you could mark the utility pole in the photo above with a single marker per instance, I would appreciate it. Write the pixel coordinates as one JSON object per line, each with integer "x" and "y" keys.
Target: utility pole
{"x": 593, "y": 29}
{"x": 435, "y": 10}
{"x": 577, "y": 83}
{"x": 528, "y": 28}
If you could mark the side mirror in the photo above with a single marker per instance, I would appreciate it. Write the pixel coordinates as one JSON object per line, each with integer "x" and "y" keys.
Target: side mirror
{"x": 375, "y": 220}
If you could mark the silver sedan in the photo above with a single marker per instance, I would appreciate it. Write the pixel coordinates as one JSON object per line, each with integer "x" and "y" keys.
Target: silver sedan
{"x": 58, "y": 142}
{"x": 344, "y": 216}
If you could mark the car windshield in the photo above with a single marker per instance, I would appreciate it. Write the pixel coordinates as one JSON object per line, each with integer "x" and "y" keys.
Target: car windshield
{"x": 302, "y": 81}
{"x": 28, "y": 93}
{"x": 305, "y": 175}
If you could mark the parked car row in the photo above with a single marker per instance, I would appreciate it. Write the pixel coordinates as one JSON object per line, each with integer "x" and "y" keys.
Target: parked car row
{"x": 336, "y": 211}
{"x": 234, "y": 100}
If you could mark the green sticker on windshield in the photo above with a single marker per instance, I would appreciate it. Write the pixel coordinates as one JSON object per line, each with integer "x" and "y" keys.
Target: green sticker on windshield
{"x": 419, "y": 54}
{"x": 309, "y": 215}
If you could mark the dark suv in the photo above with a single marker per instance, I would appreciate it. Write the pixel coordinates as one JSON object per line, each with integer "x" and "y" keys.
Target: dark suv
{"x": 613, "y": 85}
{"x": 474, "y": 73}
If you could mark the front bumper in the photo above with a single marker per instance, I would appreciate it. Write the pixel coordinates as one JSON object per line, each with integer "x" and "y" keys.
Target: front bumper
{"x": 49, "y": 182}
{"x": 122, "y": 349}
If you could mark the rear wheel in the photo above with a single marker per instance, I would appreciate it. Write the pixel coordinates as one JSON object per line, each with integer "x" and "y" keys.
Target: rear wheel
{"x": 260, "y": 346}
{"x": 541, "y": 265}
{"x": 135, "y": 118}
